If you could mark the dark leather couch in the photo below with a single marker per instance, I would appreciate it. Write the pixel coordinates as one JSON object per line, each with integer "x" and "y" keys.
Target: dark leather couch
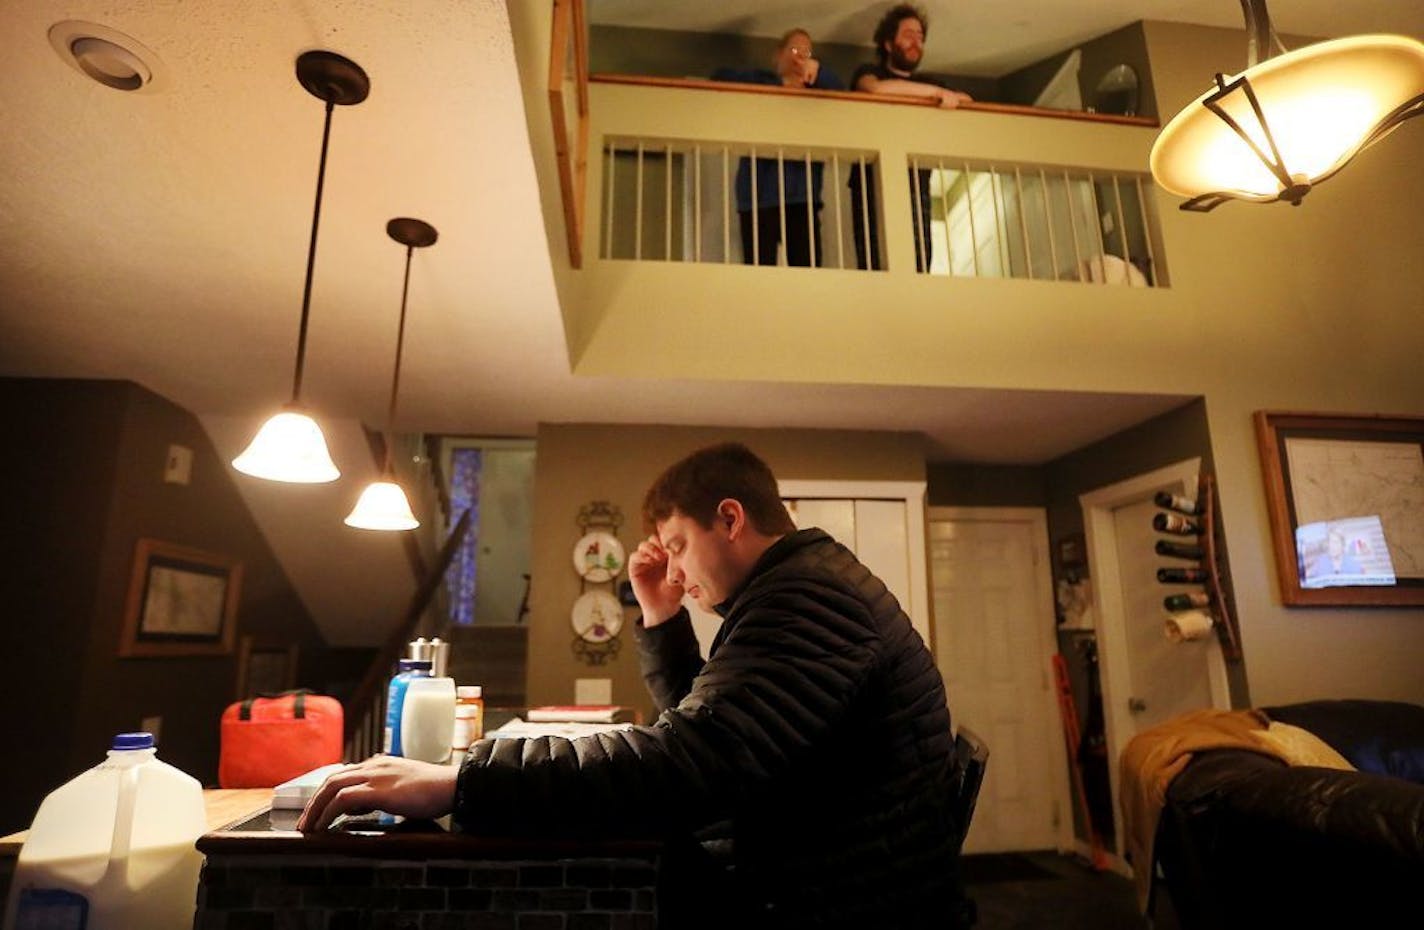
{"x": 1245, "y": 841}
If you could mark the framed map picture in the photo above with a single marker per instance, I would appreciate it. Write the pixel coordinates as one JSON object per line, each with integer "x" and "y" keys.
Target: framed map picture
{"x": 181, "y": 601}
{"x": 1345, "y": 496}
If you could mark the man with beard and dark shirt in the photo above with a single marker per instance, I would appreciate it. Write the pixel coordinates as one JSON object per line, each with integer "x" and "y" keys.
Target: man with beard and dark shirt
{"x": 899, "y": 48}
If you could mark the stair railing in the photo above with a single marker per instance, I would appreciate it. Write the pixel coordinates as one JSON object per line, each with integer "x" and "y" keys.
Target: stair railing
{"x": 366, "y": 711}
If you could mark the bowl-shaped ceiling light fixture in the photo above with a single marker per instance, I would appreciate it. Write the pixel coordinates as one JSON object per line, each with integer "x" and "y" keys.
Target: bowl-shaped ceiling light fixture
{"x": 383, "y": 505}
{"x": 290, "y": 446}
{"x": 1290, "y": 121}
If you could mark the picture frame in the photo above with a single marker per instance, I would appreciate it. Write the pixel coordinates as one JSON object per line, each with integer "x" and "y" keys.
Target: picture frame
{"x": 1323, "y": 470}
{"x": 265, "y": 667}
{"x": 1073, "y": 551}
{"x": 181, "y": 602}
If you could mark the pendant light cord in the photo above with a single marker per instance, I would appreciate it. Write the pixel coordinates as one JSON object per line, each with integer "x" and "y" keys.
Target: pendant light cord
{"x": 1261, "y": 39}
{"x": 400, "y": 346}
{"x": 311, "y": 259}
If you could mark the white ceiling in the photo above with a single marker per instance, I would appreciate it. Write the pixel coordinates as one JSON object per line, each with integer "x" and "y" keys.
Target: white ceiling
{"x": 993, "y": 37}
{"x": 161, "y": 236}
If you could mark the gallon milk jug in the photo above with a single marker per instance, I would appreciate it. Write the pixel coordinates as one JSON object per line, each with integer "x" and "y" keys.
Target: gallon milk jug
{"x": 113, "y": 848}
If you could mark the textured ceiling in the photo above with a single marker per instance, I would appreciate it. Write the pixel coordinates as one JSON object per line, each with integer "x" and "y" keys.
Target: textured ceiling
{"x": 161, "y": 237}
{"x": 993, "y": 37}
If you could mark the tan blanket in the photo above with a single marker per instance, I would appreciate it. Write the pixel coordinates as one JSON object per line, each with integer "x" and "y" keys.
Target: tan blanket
{"x": 1157, "y": 755}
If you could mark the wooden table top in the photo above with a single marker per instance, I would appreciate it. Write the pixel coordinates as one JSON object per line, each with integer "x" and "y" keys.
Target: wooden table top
{"x": 224, "y": 807}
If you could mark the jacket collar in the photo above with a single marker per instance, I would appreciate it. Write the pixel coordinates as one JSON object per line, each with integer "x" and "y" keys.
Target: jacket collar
{"x": 774, "y": 555}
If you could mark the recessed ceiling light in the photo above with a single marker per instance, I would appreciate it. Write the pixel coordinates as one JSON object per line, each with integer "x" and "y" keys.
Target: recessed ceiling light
{"x": 107, "y": 56}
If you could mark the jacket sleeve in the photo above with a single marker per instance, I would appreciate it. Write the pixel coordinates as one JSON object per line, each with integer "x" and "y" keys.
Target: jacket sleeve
{"x": 779, "y": 683}
{"x": 670, "y": 659}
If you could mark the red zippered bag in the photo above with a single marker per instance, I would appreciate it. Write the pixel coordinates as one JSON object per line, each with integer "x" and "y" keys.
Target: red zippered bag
{"x": 268, "y": 740}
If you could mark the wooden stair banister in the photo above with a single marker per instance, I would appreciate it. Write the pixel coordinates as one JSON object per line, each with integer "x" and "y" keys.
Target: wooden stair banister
{"x": 364, "y": 720}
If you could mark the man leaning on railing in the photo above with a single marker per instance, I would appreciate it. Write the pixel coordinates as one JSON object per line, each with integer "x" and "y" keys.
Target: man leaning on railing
{"x": 899, "y": 49}
{"x": 776, "y": 203}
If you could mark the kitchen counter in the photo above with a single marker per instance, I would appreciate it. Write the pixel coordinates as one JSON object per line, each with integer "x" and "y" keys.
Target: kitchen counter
{"x": 261, "y": 873}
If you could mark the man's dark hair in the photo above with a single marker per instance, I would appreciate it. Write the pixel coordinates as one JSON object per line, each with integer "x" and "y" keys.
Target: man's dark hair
{"x": 698, "y": 483}
{"x": 890, "y": 24}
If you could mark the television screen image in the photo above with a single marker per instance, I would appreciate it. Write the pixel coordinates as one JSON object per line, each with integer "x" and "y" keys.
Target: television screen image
{"x": 1352, "y": 551}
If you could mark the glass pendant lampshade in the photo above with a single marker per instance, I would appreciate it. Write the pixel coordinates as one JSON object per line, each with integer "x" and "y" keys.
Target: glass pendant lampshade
{"x": 383, "y": 506}
{"x": 1284, "y": 125}
{"x": 288, "y": 447}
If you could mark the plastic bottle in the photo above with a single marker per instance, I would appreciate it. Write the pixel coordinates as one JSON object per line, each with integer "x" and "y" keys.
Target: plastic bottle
{"x": 407, "y": 670}
{"x": 427, "y": 719}
{"x": 469, "y": 721}
{"x": 113, "y": 848}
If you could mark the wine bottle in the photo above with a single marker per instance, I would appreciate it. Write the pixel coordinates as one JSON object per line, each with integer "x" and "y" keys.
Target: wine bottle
{"x": 1182, "y": 575}
{"x": 1175, "y": 502}
{"x": 1175, "y": 523}
{"x": 1187, "y": 601}
{"x": 1180, "y": 550}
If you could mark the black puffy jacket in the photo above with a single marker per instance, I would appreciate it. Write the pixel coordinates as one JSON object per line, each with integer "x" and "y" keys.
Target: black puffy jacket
{"x": 818, "y": 727}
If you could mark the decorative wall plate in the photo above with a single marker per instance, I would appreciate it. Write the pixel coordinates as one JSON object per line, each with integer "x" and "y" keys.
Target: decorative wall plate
{"x": 597, "y": 616}
{"x": 599, "y": 556}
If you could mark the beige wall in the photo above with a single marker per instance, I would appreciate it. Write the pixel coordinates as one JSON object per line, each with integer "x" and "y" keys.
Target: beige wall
{"x": 581, "y": 463}
{"x": 1271, "y": 307}
{"x": 1319, "y": 307}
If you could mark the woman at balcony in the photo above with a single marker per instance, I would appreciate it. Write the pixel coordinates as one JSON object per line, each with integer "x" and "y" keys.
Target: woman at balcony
{"x": 787, "y": 191}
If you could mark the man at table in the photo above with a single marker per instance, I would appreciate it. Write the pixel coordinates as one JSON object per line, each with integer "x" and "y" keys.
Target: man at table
{"x": 817, "y": 727}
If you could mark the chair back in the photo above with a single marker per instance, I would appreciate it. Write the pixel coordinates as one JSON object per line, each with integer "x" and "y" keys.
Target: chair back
{"x": 971, "y": 755}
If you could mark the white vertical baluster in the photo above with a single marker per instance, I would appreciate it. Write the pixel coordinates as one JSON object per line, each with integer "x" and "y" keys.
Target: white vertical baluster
{"x": 667, "y": 202}
{"x": 1073, "y": 224}
{"x": 638, "y": 218}
{"x": 1048, "y": 218}
{"x": 1146, "y": 234}
{"x": 812, "y": 240}
{"x": 756, "y": 212}
{"x": 608, "y": 212}
{"x": 1023, "y": 222}
{"x": 836, "y": 196}
{"x": 973, "y": 232}
{"x": 782, "y": 254}
{"x": 697, "y": 203}
{"x": 1122, "y": 232}
{"x": 727, "y": 198}
{"x": 917, "y": 213}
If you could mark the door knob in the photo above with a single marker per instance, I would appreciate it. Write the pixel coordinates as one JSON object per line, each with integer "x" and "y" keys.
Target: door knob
{"x": 1136, "y": 705}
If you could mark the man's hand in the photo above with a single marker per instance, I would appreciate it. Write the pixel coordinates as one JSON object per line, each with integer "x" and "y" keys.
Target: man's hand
{"x": 382, "y": 783}
{"x": 647, "y": 570}
{"x": 810, "y": 69}
{"x": 949, "y": 99}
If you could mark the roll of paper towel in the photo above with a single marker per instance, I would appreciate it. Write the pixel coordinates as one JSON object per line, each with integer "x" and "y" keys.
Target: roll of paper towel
{"x": 1186, "y": 625}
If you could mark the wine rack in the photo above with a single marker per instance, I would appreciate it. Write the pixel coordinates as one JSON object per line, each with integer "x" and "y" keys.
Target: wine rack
{"x": 1200, "y": 521}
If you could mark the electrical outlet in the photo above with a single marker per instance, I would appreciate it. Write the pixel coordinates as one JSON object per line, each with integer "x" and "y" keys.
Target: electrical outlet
{"x": 593, "y": 690}
{"x": 1109, "y": 224}
{"x": 152, "y": 725}
{"x": 178, "y": 469}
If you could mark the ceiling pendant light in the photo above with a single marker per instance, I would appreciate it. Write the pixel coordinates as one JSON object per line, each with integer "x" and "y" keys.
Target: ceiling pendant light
{"x": 290, "y": 446}
{"x": 383, "y": 505}
{"x": 1290, "y": 121}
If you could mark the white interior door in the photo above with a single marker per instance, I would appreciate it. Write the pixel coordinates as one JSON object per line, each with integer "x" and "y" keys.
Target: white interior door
{"x": 994, "y": 618}
{"x": 1146, "y": 678}
{"x": 1166, "y": 678}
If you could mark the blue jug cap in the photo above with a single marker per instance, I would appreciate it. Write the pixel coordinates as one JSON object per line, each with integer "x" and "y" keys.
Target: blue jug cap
{"x": 414, "y": 665}
{"x": 126, "y": 741}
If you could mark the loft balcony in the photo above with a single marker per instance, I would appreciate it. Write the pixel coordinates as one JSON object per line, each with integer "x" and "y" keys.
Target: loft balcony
{"x": 1030, "y": 217}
